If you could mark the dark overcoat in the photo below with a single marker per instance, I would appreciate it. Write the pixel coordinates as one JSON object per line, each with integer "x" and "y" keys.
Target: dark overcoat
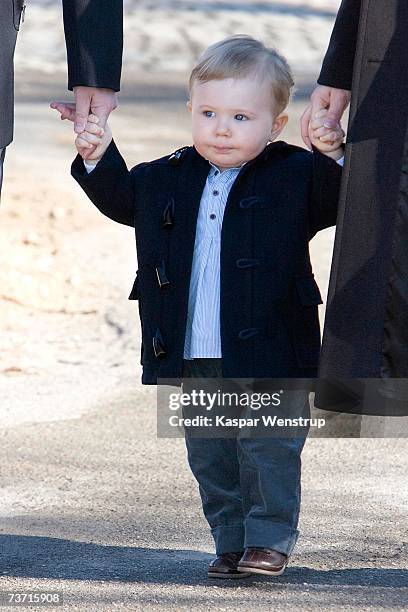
{"x": 269, "y": 298}
{"x": 366, "y": 326}
{"x": 93, "y": 33}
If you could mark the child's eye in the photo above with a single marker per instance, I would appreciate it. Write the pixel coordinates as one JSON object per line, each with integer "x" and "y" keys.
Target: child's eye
{"x": 241, "y": 117}
{"x": 209, "y": 113}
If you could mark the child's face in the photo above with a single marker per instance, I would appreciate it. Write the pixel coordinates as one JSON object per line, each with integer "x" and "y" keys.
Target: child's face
{"x": 233, "y": 120}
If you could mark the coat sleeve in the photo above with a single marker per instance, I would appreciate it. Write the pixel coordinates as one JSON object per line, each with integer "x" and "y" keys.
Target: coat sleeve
{"x": 94, "y": 40}
{"x": 324, "y": 200}
{"x": 110, "y": 186}
{"x": 337, "y": 68}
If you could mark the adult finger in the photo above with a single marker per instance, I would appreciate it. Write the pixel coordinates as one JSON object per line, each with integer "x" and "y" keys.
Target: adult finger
{"x": 66, "y": 109}
{"x": 83, "y": 101}
{"x": 337, "y": 106}
{"x": 320, "y": 100}
{"x": 103, "y": 114}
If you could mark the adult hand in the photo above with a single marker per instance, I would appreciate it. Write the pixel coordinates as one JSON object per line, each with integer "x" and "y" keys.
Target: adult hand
{"x": 334, "y": 100}
{"x": 96, "y": 100}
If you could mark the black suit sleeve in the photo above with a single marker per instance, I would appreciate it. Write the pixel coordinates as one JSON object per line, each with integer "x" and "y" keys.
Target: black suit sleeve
{"x": 110, "y": 186}
{"x": 94, "y": 40}
{"x": 337, "y": 68}
{"x": 324, "y": 201}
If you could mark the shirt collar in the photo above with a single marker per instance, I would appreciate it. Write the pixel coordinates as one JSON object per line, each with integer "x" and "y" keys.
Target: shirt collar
{"x": 215, "y": 168}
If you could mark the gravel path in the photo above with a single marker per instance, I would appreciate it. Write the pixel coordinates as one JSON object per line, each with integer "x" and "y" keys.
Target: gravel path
{"x": 98, "y": 508}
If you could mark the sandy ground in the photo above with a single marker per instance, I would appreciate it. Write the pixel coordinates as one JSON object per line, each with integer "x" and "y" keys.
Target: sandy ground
{"x": 92, "y": 503}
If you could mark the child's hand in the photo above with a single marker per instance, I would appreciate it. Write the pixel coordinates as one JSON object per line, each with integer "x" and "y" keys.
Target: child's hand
{"x": 327, "y": 141}
{"x": 92, "y": 143}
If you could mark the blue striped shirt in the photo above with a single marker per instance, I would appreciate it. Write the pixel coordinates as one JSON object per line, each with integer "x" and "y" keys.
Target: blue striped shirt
{"x": 203, "y": 337}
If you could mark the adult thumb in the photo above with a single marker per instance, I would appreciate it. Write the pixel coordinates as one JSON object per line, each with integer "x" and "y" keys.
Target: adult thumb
{"x": 102, "y": 114}
{"x": 335, "y": 111}
{"x": 82, "y": 111}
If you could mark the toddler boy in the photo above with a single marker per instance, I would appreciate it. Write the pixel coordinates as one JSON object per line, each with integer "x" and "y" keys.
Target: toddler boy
{"x": 224, "y": 282}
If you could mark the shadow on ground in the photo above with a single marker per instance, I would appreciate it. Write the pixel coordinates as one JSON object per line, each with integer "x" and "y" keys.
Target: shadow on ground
{"x": 54, "y": 558}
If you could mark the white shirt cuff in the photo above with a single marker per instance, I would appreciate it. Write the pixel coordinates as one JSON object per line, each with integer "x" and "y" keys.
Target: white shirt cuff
{"x": 89, "y": 167}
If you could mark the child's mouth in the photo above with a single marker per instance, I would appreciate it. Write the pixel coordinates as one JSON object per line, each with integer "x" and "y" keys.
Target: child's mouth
{"x": 222, "y": 149}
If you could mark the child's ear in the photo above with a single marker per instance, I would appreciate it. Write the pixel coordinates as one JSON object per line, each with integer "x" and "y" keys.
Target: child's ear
{"x": 189, "y": 106}
{"x": 278, "y": 125}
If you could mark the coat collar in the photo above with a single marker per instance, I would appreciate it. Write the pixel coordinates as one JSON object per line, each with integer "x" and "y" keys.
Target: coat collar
{"x": 271, "y": 150}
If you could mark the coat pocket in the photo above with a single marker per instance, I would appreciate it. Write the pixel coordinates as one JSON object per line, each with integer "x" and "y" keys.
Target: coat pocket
{"x": 18, "y": 10}
{"x": 306, "y": 327}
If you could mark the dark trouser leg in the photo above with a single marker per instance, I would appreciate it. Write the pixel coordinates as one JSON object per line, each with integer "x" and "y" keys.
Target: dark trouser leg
{"x": 10, "y": 11}
{"x": 2, "y": 154}
{"x": 214, "y": 464}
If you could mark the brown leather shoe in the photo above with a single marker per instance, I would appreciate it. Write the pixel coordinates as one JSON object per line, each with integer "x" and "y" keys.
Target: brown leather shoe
{"x": 263, "y": 561}
{"x": 226, "y": 566}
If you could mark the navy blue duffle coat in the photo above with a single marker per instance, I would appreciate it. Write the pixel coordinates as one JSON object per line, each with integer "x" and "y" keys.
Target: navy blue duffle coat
{"x": 269, "y": 297}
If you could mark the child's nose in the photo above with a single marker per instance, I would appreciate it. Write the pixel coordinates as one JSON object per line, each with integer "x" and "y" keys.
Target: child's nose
{"x": 222, "y": 128}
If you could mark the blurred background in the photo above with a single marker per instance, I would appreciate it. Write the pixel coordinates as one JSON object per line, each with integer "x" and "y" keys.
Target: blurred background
{"x": 69, "y": 335}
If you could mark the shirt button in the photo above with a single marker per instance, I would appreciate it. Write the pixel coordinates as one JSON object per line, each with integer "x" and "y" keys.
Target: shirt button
{"x": 215, "y": 173}
{"x": 215, "y": 192}
{"x": 213, "y": 216}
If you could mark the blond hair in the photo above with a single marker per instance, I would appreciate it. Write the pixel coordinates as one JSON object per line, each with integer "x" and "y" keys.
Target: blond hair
{"x": 242, "y": 56}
